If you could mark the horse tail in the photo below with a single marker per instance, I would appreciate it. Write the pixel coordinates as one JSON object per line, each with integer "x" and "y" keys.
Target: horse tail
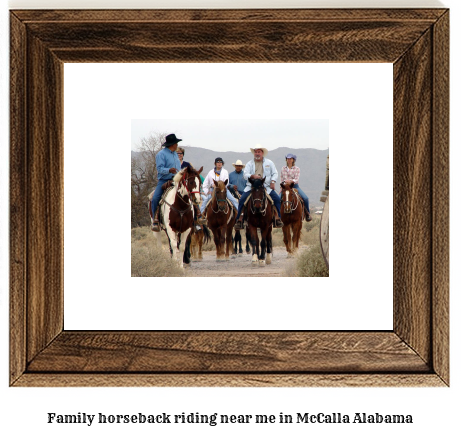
{"x": 206, "y": 234}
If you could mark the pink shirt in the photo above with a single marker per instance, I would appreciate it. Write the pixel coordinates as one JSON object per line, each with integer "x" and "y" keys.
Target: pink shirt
{"x": 290, "y": 174}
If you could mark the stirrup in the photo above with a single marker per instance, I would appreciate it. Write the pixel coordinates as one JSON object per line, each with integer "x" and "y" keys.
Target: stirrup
{"x": 155, "y": 226}
{"x": 239, "y": 224}
{"x": 202, "y": 220}
{"x": 278, "y": 223}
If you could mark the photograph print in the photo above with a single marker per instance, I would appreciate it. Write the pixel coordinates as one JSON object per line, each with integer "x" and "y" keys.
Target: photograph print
{"x": 229, "y": 198}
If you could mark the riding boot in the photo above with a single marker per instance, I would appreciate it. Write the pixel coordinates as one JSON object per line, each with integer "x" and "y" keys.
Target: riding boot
{"x": 201, "y": 219}
{"x": 155, "y": 226}
{"x": 277, "y": 221}
{"x": 239, "y": 223}
{"x": 307, "y": 215}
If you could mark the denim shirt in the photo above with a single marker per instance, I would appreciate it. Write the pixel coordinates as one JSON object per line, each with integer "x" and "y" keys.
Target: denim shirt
{"x": 166, "y": 159}
{"x": 238, "y": 180}
{"x": 270, "y": 173}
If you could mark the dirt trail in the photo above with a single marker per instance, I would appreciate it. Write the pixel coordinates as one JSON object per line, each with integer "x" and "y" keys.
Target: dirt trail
{"x": 240, "y": 266}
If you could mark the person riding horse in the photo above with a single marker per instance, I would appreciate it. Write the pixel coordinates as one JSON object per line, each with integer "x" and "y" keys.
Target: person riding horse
{"x": 291, "y": 173}
{"x": 237, "y": 182}
{"x": 168, "y": 164}
{"x": 218, "y": 173}
{"x": 260, "y": 168}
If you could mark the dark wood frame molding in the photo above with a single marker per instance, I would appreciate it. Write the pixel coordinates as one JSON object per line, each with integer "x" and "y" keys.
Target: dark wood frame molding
{"x": 414, "y": 353}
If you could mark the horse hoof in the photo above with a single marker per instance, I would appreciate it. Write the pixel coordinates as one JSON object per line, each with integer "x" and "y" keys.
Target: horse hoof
{"x": 268, "y": 259}
{"x": 187, "y": 265}
{"x": 262, "y": 263}
{"x": 253, "y": 263}
{"x": 240, "y": 254}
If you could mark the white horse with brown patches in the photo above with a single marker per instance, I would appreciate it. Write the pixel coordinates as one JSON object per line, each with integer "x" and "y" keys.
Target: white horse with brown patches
{"x": 177, "y": 213}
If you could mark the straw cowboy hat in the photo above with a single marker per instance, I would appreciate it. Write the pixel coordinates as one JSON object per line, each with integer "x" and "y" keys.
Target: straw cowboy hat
{"x": 258, "y": 147}
{"x": 239, "y": 163}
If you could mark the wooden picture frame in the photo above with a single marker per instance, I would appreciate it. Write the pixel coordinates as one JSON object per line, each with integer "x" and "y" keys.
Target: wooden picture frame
{"x": 414, "y": 353}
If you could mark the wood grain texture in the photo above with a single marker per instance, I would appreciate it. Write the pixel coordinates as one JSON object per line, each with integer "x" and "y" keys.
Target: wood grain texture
{"x": 413, "y": 196}
{"x": 18, "y": 189}
{"x": 45, "y": 179}
{"x": 441, "y": 199}
{"x": 228, "y": 352}
{"x": 230, "y": 380}
{"x": 205, "y": 15}
{"x": 414, "y": 354}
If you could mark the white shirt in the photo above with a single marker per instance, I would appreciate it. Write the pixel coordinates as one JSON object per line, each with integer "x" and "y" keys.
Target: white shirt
{"x": 208, "y": 183}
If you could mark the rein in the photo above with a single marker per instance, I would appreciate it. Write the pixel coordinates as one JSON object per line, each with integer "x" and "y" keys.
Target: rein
{"x": 253, "y": 200}
{"x": 218, "y": 200}
{"x": 290, "y": 203}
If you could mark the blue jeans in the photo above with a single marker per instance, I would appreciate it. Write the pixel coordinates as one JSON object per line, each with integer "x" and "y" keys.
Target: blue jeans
{"x": 207, "y": 197}
{"x": 157, "y": 196}
{"x": 245, "y": 195}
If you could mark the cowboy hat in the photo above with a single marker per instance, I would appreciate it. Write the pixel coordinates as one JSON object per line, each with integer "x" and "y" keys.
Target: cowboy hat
{"x": 170, "y": 140}
{"x": 239, "y": 163}
{"x": 258, "y": 147}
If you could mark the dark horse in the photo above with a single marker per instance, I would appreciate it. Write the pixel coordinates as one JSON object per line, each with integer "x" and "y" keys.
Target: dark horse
{"x": 259, "y": 212}
{"x": 177, "y": 213}
{"x": 221, "y": 219}
{"x": 292, "y": 217}
{"x": 237, "y": 239}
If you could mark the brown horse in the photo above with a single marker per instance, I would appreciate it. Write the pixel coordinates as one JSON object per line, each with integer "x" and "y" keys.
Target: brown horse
{"x": 259, "y": 211}
{"x": 177, "y": 213}
{"x": 198, "y": 237}
{"x": 221, "y": 219}
{"x": 292, "y": 212}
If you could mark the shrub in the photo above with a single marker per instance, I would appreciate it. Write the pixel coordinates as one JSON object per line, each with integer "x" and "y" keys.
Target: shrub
{"x": 310, "y": 263}
{"x": 150, "y": 260}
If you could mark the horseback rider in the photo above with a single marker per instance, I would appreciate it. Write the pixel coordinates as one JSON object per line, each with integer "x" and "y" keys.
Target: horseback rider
{"x": 168, "y": 164}
{"x": 291, "y": 173}
{"x": 217, "y": 173}
{"x": 258, "y": 168}
{"x": 237, "y": 182}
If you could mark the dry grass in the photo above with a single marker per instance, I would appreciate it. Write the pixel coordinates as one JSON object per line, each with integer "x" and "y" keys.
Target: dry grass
{"x": 149, "y": 260}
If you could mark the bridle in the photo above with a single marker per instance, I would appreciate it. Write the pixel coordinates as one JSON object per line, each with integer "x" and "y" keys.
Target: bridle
{"x": 184, "y": 182}
{"x": 290, "y": 203}
{"x": 226, "y": 210}
{"x": 262, "y": 200}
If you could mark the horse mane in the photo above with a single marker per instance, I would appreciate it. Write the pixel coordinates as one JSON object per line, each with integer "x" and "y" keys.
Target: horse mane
{"x": 178, "y": 176}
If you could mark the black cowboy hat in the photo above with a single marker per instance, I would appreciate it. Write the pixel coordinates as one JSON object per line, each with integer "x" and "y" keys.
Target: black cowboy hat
{"x": 170, "y": 140}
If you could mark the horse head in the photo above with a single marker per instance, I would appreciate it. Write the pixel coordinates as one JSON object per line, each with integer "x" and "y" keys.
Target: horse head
{"x": 192, "y": 183}
{"x": 220, "y": 194}
{"x": 258, "y": 194}
{"x": 287, "y": 197}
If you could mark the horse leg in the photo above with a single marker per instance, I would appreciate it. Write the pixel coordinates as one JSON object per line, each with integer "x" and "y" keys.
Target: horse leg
{"x": 174, "y": 245}
{"x": 200, "y": 244}
{"x": 216, "y": 240}
{"x": 186, "y": 255}
{"x": 286, "y": 238}
{"x": 240, "y": 244}
{"x": 229, "y": 240}
{"x": 262, "y": 256}
{"x": 269, "y": 246}
{"x": 247, "y": 247}
{"x": 222, "y": 240}
{"x": 234, "y": 243}
{"x": 255, "y": 245}
{"x": 296, "y": 235}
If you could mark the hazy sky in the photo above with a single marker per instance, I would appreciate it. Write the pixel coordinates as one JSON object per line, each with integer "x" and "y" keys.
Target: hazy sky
{"x": 237, "y": 135}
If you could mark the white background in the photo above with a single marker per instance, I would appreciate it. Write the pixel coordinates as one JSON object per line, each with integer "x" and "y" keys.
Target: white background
{"x": 101, "y": 100}
{"x": 434, "y": 410}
